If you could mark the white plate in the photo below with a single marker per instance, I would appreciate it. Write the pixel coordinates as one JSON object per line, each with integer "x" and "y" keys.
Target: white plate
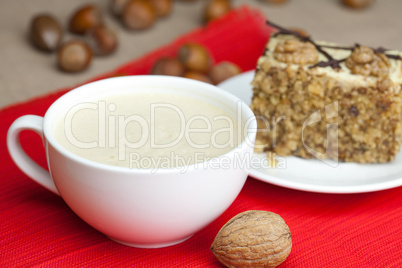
{"x": 314, "y": 175}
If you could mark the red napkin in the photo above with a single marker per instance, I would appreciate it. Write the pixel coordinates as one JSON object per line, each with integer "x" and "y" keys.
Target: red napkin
{"x": 328, "y": 230}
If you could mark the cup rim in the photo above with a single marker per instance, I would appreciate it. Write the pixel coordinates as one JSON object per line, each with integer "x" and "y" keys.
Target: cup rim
{"x": 49, "y": 119}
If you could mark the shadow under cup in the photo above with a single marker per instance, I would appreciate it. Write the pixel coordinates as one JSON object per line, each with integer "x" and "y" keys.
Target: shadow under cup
{"x": 145, "y": 207}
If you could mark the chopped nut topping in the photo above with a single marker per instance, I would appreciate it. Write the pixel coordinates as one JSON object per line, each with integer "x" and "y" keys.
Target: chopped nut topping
{"x": 294, "y": 94}
{"x": 365, "y": 61}
{"x": 296, "y": 52}
{"x": 364, "y": 83}
{"x": 353, "y": 111}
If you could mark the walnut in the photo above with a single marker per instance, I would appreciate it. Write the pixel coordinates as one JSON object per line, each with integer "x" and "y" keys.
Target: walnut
{"x": 296, "y": 51}
{"x": 366, "y": 61}
{"x": 253, "y": 239}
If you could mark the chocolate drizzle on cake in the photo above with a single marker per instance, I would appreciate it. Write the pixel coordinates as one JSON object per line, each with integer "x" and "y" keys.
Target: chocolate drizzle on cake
{"x": 376, "y": 50}
{"x": 331, "y": 62}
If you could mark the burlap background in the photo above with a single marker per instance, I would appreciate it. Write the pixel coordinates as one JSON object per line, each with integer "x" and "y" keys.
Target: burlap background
{"x": 25, "y": 72}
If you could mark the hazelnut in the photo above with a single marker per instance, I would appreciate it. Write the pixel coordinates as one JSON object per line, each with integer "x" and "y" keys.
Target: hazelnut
{"x": 253, "y": 239}
{"x": 85, "y": 18}
{"x": 168, "y": 66}
{"x": 215, "y": 9}
{"x": 357, "y": 4}
{"x": 195, "y": 57}
{"x": 103, "y": 40}
{"x": 223, "y": 71}
{"x": 117, "y": 7}
{"x": 45, "y": 32}
{"x": 162, "y": 7}
{"x": 74, "y": 56}
{"x": 198, "y": 76}
{"x": 139, "y": 14}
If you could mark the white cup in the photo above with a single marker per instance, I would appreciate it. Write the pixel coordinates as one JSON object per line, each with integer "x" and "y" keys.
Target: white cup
{"x": 139, "y": 207}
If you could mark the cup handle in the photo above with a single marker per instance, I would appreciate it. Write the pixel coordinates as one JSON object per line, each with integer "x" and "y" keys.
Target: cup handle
{"x": 21, "y": 159}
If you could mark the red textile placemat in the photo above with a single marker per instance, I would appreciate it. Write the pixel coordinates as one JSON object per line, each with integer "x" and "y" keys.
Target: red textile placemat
{"x": 328, "y": 230}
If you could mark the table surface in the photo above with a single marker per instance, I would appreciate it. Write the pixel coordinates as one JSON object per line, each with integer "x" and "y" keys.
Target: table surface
{"x": 26, "y": 72}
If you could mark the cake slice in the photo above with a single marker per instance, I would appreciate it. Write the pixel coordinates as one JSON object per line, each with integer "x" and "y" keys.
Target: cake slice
{"x": 321, "y": 100}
